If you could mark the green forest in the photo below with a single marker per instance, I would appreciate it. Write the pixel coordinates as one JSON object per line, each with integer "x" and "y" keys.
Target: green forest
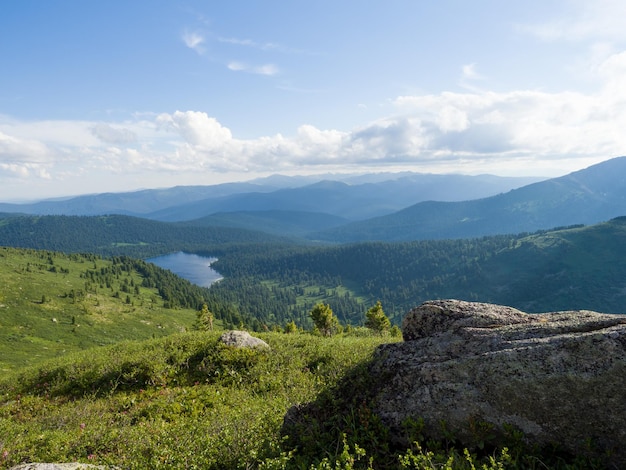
{"x": 270, "y": 281}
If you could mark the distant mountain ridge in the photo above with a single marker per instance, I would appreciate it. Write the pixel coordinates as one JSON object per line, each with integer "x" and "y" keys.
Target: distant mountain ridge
{"x": 373, "y": 208}
{"x": 588, "y": 196}
{"x": 354, "y": 197}
{"x": 131, "y": 203}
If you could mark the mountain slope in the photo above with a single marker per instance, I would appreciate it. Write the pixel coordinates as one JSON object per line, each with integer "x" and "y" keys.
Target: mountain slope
{"x": 351, "y": 201}
{"x": 51, "y": 303}
{"x": 358, "y": 197}
{"x": 132, "y": 203}
{"x": 273, "y": 222}
{"x": 588, "y": 196}
{"x": 119, "y": 234}
{"x": 581, "y": 267}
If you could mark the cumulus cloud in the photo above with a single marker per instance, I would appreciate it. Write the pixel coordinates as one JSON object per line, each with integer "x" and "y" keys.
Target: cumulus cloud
{"x": 518, "y": 131}
{"x": 15, "y": 149}
{"x": 21, "y": 158}
{"x": 197, "y": 128}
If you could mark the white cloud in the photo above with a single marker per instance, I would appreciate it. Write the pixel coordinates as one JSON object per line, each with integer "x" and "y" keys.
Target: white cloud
{"x": 267, "y": 69}
{"x": 113, "y": 135}
{"x": 249, "y": 43}
{"x": 237, "y": 66}
{"x": 469, "y": 72}
{"x": 263, "y": 46}
{"x": 451, "y": 118}
{"x": 197, "y": 128}
{"x": 516, "y": 132}
{"x": 595, "y": 28}
{"x": 194, "y": 40}
{"x": 15, "y": 149}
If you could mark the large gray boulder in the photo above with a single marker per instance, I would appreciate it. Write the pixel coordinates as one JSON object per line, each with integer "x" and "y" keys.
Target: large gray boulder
{"x": 242, "y": 339}
{"x": 476, "y": 371}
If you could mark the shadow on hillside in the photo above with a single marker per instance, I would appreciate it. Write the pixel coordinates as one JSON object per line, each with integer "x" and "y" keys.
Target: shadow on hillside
{"x": 343, "y": 418}
{"x": 341, "y": 415}
{"x": 205, "y": 362}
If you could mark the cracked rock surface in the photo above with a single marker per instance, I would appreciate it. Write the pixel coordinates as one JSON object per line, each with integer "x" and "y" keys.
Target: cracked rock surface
{"x": 484, "y": 369}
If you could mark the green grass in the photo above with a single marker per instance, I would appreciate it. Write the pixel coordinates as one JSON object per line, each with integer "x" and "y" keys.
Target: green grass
{"x": 186, "y": 401}
{"x": 48, "y": 307}
{"x": 179, "y": 402}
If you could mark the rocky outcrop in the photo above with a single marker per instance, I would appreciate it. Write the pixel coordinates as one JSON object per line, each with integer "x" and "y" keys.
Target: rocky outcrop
{"x": 242, "y": 339}
{"x": 477, "y": 371}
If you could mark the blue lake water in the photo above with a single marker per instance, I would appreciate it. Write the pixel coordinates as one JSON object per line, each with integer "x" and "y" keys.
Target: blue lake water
{"x": 194, "y": 268}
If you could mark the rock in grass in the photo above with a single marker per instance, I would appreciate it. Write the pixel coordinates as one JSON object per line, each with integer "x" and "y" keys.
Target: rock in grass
{"x": 242, "y": 339}
{"x": 476, "y": 372}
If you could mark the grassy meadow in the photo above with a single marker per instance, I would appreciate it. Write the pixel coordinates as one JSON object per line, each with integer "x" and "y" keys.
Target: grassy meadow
{"x": 50, "y": 307}
{"x": 184, "y": 401}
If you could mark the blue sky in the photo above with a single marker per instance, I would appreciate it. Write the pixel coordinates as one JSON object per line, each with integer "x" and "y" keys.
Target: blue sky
{"x": 122, "y": 95}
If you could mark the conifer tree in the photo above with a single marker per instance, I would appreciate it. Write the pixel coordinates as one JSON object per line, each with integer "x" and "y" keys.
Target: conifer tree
{"x": 291, "y": 327}
{"x": 376, "y": 319}
{"x": 204, "y": 319}
{"x": 323, "y": 319}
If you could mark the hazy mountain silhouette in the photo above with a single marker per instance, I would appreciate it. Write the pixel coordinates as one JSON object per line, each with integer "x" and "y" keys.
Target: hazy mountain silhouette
{"x": 588, "y": 196}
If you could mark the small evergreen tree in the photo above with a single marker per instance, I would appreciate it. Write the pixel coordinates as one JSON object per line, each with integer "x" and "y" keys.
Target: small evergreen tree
{"x": 291, "y": 327}
{"x": 324, "y": 320}
{"x": 376, "y": 319}
{"x": 395, "y": 331}
{"x": 204, "y": 319}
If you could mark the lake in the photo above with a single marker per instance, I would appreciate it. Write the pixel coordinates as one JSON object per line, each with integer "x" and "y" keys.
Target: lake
{"x": 194, "y": 268}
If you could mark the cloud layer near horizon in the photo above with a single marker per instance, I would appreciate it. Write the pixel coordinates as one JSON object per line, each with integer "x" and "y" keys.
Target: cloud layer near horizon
{"x": 482, "y": 130}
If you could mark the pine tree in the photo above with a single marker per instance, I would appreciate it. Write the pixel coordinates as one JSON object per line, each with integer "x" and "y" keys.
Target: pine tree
{"x": 291, "y": 327}
{"x": 204, "y": 319}
{"x": 376, "y": 319}
{"x": 323, "y": 319}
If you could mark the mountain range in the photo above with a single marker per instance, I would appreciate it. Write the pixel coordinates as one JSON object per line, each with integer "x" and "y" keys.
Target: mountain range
{"x": 374, "y": 207}
{"x": 588, "y": 196}
{"x": 352, "y": 197}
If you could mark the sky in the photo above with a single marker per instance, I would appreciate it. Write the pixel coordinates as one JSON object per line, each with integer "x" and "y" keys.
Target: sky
{"x": 121, "y": 95}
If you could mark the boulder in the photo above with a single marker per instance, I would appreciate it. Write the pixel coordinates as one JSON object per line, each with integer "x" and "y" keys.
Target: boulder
{"x": 242, "y": 339}
{"x": 479, "y": 372}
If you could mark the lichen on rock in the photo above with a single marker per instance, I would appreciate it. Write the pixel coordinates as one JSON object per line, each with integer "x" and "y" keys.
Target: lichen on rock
{"x": 559, "y": 377}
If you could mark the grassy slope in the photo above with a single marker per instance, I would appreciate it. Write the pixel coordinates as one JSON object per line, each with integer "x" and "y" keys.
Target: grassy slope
{"x": 178, "y": 402}
{"x": 46, "y": 311}
{"x": 186, "y": 401}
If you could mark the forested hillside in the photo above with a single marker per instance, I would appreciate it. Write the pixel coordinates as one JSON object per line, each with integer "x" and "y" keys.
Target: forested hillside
{"x": 269, "y": 281}
{"x": 120, "y": 235}
{"x": 571, "y": 268}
